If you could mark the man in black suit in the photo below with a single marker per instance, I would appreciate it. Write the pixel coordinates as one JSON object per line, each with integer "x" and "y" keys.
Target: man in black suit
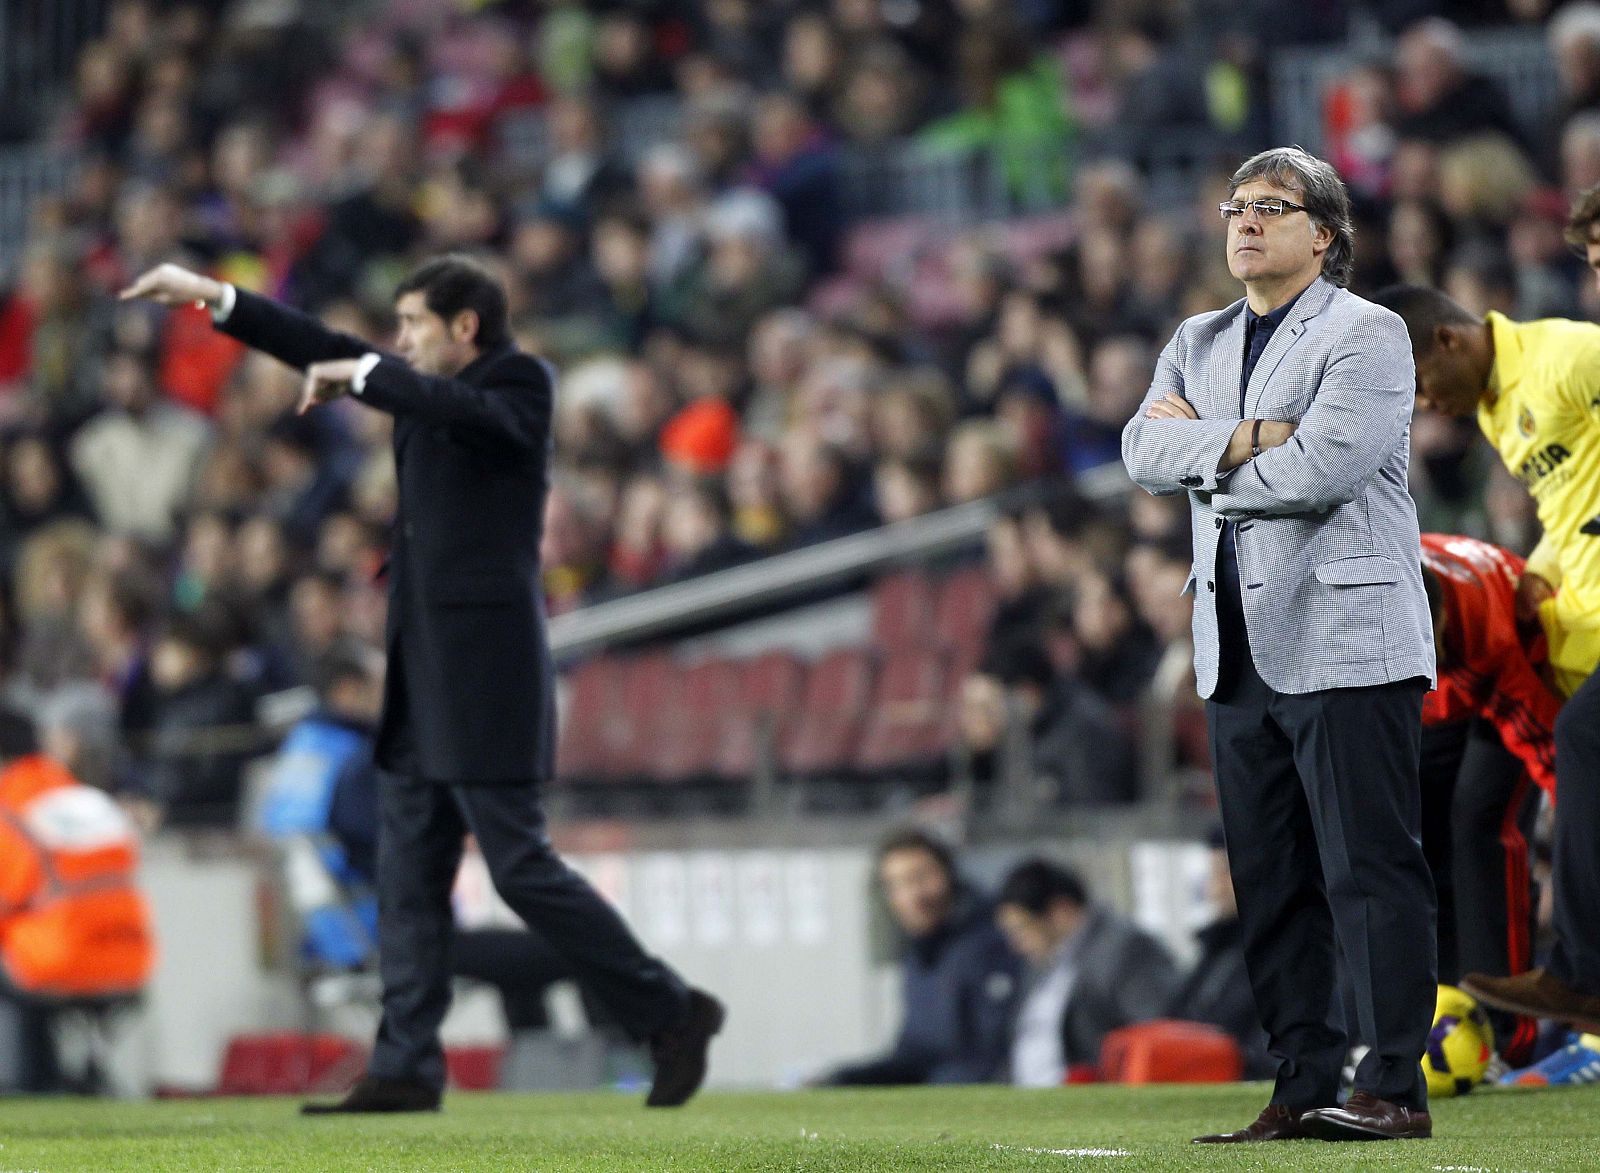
{"x": 467, "y": 734}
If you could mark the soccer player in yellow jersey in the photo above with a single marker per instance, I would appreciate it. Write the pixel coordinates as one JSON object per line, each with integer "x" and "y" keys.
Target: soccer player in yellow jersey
{"x": 1535, "y": 388}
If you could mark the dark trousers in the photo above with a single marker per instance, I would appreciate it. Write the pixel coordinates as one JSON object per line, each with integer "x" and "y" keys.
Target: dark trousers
{"x": 1321, "y": 810}
{"x": 38, "y": 1067}
{"x": 1575, "y": 867}
{"x": 421, "y": 828}
{"x": 1477, "y": 811}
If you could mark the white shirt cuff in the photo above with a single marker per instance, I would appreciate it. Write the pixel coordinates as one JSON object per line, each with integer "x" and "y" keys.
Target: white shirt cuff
{"x": 224, "y": 306}
{"x": 358, "y": 383}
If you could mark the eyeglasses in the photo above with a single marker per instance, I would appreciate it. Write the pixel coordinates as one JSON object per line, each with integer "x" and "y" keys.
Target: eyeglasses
{"x": 1266, "y": 209}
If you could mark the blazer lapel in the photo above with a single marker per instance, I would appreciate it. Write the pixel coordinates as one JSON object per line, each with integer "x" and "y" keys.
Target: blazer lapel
{"x": 1311, "y": 303}
{"x": 1226, "y": 367}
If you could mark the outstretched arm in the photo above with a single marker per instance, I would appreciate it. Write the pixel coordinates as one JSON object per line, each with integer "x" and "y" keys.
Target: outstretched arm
{"x": 259, "y": 322}
{"x": 516, "y": 407}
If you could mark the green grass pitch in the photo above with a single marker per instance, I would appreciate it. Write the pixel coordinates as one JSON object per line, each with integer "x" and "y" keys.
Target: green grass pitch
{"x": 1079, "y": 1128}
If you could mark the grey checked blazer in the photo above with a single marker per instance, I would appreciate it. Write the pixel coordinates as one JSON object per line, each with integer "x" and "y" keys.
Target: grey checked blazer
{"x": 1329, "y": 555}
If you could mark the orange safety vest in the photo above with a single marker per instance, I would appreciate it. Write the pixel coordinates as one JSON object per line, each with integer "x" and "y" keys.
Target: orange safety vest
{"x": 72, "y": 921}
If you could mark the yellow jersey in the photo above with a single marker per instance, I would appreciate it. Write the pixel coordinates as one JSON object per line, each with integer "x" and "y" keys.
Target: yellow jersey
{"x": 1542, "y": 414}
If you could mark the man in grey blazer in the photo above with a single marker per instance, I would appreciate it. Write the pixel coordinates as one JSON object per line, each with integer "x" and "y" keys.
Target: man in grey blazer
{"x": 1286, "y": 419}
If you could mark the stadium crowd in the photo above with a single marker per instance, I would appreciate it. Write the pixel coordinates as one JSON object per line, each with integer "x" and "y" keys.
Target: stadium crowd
{"x": 749, "y": 366}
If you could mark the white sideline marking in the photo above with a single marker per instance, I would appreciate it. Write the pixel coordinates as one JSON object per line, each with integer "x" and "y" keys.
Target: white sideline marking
{"x": 1007, "y": 1148}
{"x": 1472, "y": 1169}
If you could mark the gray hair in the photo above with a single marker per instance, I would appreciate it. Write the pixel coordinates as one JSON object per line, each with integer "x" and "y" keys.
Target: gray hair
{"x": 89, "y": 714}
{"x": 1323, "y": 193}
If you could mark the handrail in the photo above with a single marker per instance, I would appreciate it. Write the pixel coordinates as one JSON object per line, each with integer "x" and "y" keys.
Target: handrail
{"x": 797, "y": 573}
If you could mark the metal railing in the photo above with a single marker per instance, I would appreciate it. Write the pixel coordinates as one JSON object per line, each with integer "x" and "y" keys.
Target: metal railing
{"x": 1518, "y": 59}
{"x": 797, "y": 575}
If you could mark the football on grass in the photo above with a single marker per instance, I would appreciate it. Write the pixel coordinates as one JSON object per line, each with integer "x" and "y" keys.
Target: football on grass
{"x": 1459, "y": 1045}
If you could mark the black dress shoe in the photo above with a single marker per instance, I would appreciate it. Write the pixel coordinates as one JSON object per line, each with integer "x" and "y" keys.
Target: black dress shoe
{"x": 1276, "y": 1122}
{"x": 376, "y": 1094}
{"x": 680, "y": 1051}
{"x": 1365, "y": 1117}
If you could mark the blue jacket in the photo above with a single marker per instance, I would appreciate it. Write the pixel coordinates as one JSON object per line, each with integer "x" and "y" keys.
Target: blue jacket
{"x": 961, "y": 985}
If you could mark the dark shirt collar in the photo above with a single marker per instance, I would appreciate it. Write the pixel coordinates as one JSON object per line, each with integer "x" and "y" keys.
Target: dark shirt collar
{"x": 1271, "y": 321}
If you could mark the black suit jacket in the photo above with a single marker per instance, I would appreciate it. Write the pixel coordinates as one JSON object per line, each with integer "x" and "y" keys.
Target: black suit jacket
{"x": 470, "y": 696}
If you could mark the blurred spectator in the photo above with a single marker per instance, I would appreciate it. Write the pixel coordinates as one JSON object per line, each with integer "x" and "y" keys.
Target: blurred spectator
{"x": 1118, "y": 653}
{"x": 37, "y": 491}
{"x": 960, "y": 979}
{"x": 793, "y": 163}
{"x": 1080, "y": 754}
{"x": 697, "y": 533}
{"x": 1014, "y": 103}
{"x": 191, "y": 761}
{"x": 1216, "y": 990}
{"x": 1090, "y": 971}
{"x": 979, "y": 462}
{"x": 821, "y": 492}
{"x": 140, "y": 458}
{"x": 1441, "y": 100}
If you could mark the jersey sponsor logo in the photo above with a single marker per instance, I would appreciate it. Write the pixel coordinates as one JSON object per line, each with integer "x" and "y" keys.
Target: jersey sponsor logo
{"x": 1542, "y": 463}
{"x": 1525, "y": 423}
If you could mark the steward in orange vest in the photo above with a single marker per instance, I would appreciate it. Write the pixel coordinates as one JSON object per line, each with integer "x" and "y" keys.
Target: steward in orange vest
{"x": 72, "y": 921}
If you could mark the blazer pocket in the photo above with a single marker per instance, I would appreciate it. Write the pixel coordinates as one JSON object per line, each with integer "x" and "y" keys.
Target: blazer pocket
{"x": 467, "y": 588}
{"x": 1359, "y": 570}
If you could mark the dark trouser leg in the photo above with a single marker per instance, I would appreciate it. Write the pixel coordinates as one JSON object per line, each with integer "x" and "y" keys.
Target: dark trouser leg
{"x": 39, "y": 1072}
{"x": 1357, "y": 752}
{"x": 516, "y": 962}
{"x": 585, "y": 931}
{"x": 1575, "y": 868}
{"x": 1283, "y": 910}
{"x": 1494, "y": 907}
{"x": 1443, "y": 748}
{"x": 419, "y": 849}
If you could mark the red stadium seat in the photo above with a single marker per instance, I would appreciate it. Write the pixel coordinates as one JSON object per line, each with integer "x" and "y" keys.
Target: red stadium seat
{"x": 289, "y": 1063}
{"x": 686, "y": 747}
{"x": 646, "y": 715}
{"x": 768, "y": 696}
{"x": 902, "y": 610}
{"x": 838, "y": 690}
{"x": 963, "y": 613}
{"x": 910, "y": 718}
{"x": 594, "y": 691}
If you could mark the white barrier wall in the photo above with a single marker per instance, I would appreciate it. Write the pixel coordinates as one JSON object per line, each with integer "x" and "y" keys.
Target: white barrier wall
{"x": 782, "y": 935}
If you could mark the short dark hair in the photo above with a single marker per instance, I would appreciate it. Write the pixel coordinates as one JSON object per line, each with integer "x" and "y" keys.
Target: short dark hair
{"x": 916, "y": 839}
{"x": 1583, "y": 222}
{"x": 1424, "y": 310}
{"x": 456, "y": 282}
{"x": 1037, "y": 883}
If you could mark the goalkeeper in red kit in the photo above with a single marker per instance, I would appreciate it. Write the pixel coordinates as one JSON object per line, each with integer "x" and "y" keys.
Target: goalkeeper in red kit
{"x": 1487, "y": 739}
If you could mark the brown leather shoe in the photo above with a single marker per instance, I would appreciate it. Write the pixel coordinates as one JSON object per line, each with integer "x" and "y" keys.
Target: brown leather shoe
{"x": 1538, "y": 994}
{"x": 1365, "y": 1117}
{"x": 1276, "y": 1122}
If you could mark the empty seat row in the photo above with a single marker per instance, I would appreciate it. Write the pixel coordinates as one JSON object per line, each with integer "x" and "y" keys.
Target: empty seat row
{"x": 883, "y": 707}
